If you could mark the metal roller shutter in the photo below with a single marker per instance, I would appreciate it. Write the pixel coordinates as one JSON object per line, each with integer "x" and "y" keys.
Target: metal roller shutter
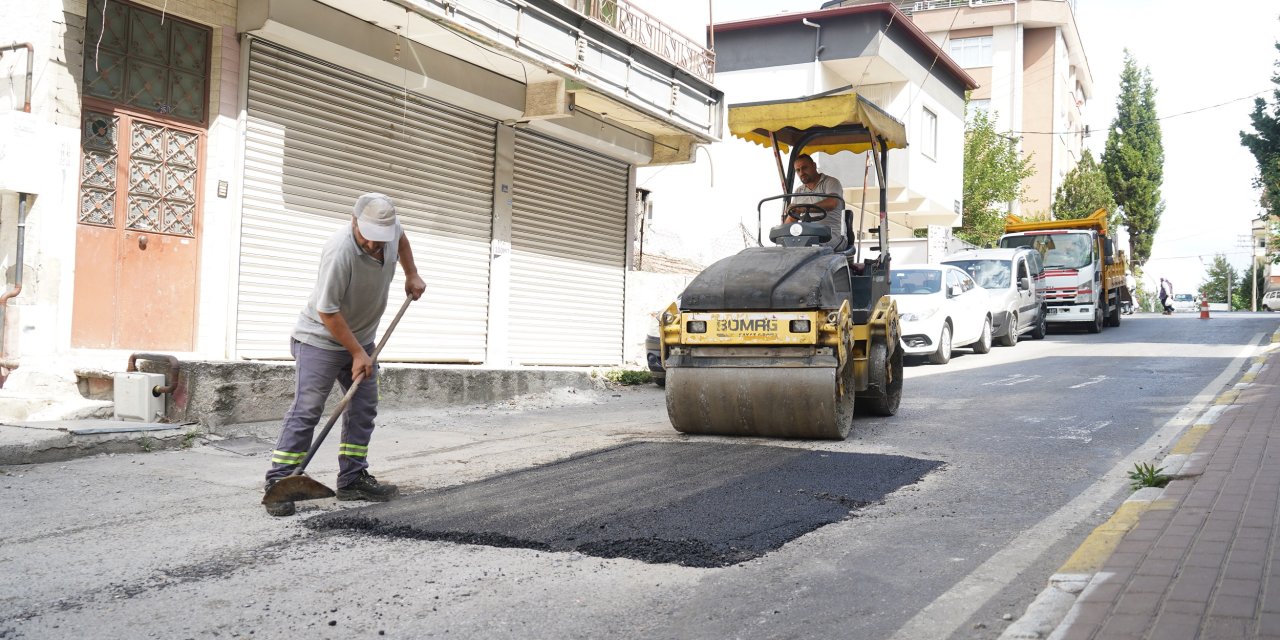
{"x": 568, "y": 248}
{"x": 318, "y": 137}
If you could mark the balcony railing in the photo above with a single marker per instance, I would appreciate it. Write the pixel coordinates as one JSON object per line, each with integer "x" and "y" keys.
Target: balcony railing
{"x": 643, "y": 29}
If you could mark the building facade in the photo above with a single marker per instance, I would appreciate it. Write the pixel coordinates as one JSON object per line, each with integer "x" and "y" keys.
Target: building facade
{"x": 1034, "y": 80}
{"x": 172, "y": 168}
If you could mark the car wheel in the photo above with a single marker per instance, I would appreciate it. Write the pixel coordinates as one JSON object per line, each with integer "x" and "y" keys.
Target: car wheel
{"x": 983, "y": 345}
{"x": 1113, "y": 316}
{"x": 1010, "y": 337}
{"x": 1096, "y": 325}
{"x": 1041, "y": 327}
{"x": 943, "y": 354}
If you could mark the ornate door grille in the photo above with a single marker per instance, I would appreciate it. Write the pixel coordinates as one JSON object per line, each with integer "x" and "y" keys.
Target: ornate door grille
{"x": 156, "y": 190}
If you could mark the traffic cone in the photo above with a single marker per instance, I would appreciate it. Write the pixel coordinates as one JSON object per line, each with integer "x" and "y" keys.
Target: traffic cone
{"x": 1204, "y": 308}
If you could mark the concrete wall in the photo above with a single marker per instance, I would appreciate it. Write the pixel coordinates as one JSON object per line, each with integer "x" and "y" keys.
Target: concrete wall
{"x": 215, "y": 394}
{"x": 1038, "y": 115}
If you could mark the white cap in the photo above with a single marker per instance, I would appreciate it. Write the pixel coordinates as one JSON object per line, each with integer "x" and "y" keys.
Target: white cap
{"x": 376, "y": 217}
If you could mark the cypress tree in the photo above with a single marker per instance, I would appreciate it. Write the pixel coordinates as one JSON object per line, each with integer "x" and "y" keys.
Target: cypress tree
{"x": 1134, "y": 158}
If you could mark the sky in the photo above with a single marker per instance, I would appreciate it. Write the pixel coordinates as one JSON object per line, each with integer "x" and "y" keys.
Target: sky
{"x": 1207, "y": 63}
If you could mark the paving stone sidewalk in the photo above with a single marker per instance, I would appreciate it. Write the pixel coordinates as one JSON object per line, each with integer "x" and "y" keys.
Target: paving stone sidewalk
{"x": 1204, "y": 561}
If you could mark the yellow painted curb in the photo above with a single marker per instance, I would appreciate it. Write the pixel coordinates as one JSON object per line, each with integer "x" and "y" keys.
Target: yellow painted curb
{"x": 1248, "y": 377}
{"x": 1190, "y": 439}
{"x": 1227, "y": 397}
{"x": 1102, "y": 542}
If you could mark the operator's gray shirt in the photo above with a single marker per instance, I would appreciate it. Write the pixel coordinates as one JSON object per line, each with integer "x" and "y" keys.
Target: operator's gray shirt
{"x": 826, "y": 184}
{"x": 350, "y": 282}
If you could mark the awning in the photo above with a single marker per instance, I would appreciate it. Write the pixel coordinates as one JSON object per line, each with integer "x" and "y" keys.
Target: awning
{"x": 850, "y": 121}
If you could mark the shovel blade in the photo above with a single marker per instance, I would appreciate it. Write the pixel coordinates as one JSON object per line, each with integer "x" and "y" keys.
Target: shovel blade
{"x": 294, "y": 488}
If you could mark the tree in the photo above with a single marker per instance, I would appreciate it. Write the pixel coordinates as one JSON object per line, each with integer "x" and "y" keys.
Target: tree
{"x": 1218, "y": 279}
{"x": 993, "y": 175}
{"x": 1134, "y": 158}
{"x": 1264, "y": 144}
{"x": 1248, "y": 279}
{"x": 1083, "y": 191}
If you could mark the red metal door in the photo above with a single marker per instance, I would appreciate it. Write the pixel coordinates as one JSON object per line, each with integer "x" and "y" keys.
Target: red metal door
{"x": 137, "y": 241}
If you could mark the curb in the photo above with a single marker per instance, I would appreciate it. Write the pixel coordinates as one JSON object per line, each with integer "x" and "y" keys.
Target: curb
{"x": 1051, "y": 613}
{"x": 25, "y": 445}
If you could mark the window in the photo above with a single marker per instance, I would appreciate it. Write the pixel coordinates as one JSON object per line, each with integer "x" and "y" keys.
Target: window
{"x": 929, "y": 133}
{"x": 979, "y": 106}
{"x": 136, "y": 57}
{"x": 972, "y": 52}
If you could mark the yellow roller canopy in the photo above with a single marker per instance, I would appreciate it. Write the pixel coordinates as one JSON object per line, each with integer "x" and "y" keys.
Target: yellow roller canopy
{"x": 851, "y": 120}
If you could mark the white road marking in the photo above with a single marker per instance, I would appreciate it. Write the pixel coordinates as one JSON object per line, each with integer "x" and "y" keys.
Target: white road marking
{"x": 1016, "y": 378}
{"x": 1081, "y": 433}
{"x": 1093, "y": 380}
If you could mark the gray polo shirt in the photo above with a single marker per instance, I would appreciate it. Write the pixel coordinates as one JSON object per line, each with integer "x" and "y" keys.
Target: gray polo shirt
{"x": 350, "y": 282}
{"x": 833, "y": 221}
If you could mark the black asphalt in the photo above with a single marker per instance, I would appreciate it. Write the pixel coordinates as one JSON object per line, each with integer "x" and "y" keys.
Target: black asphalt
{"x": 697, "y": 504}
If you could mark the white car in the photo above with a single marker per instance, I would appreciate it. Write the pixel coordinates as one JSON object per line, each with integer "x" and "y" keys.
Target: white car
{"x": 1015, "y": 282}
{"x": 936, "y": 318}
{"x": 1271, "y": 301}
{"x": 1184, "y": 302}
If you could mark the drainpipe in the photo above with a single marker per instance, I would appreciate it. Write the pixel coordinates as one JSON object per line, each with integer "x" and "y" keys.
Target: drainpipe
{"x": 817, "y": 49}
{"x": 17, "y": 282}
{"x": 31, "y": 51}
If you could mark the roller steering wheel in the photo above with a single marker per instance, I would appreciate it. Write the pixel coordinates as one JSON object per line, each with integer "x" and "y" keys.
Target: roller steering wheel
{"x": 806, "y": 212}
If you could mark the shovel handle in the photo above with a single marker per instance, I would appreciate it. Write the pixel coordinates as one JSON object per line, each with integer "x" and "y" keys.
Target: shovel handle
{"x": 351, "y": 391}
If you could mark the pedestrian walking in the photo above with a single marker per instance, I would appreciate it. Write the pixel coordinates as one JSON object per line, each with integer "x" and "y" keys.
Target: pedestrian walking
{"x": 332, "y": 342}
{"x": 1166, "y": 292}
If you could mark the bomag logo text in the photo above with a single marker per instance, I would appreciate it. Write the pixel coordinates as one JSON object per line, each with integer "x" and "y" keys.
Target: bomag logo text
{"x": 747, "y": 325}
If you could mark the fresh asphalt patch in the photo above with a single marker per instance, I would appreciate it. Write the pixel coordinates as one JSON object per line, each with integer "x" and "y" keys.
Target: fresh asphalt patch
{"x": 697, "y": 504}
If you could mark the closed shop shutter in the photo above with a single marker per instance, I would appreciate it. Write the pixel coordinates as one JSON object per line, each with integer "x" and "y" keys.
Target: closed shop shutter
{"x": 568, "y": 248}
{"x": 318, "y": 137}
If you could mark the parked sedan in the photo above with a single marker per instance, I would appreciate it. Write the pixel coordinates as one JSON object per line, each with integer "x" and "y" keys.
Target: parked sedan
{"x": 941, "y": 308}
{"x": 1015, "y": 282}
{"x": 653, "y": 353}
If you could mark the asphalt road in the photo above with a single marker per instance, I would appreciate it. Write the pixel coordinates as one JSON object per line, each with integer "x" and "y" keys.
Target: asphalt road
{"x": 1005, "y": 461}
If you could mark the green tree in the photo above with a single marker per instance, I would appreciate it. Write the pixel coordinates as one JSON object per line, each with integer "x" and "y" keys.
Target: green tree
{"x": 1219, "y": 278}
{"x": 1083, "y": 191}
{"x": 1244, "y": 296}
{"x": 1264, "y": 143}
{"x": 1134, "y": 158}
{"x": 993, "y": 175}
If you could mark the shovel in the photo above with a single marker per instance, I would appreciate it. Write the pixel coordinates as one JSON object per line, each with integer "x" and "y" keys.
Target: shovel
{"x": 299, "y": 486}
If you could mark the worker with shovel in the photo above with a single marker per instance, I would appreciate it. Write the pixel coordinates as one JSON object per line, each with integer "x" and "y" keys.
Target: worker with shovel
{"x": 333, "y": 342}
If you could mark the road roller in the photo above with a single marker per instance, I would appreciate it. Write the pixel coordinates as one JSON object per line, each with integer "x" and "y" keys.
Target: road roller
{"x": 790, "y": 340}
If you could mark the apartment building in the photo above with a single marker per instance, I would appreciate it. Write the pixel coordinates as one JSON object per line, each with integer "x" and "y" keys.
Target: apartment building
{"x": 1029, "y": 62}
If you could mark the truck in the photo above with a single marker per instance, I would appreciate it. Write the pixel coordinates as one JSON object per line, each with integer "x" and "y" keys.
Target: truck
{"x": 1084, "y": 279}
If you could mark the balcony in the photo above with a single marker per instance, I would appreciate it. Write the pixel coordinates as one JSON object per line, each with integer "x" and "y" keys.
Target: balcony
{"x": 595, "y": 46}
{"x": 649, "y": 33}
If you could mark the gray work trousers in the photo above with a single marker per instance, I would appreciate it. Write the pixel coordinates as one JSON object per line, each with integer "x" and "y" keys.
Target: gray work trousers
{"x": 317, "y": 370}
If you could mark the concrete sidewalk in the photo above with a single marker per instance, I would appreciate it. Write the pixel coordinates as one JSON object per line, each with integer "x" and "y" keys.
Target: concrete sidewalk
{"x": 1199, "y": 558}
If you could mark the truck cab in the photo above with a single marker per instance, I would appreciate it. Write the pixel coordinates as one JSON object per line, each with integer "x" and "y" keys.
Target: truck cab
{"x": 1083, "y": 274}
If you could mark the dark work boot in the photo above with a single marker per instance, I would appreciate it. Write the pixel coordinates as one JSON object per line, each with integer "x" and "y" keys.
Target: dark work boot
{"x": 366, "y": 487}
{"x": 278, "y": 508}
